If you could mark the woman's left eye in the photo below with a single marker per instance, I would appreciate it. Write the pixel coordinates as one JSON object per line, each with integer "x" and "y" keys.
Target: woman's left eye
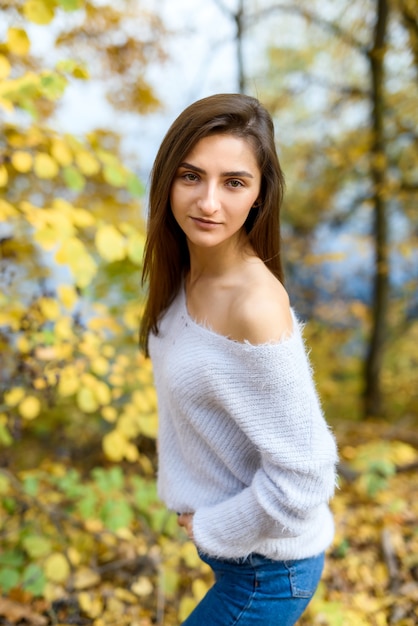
{"x": 235, "y": 183}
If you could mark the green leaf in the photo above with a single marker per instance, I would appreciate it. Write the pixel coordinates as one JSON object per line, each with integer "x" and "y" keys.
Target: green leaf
{"x": 73, "y": 178}
{"x": 70, "y": 484}
{"x": 5, "y": 438}
{"x": 87, "y": 505}
{"x": 116, "y": 514}
{"x": 53, "y": 85}
{"x": 12, "y": 558}
{"x": 34, "y": 579}
{"x": 70, "y": 66}
{"x": 9, "y": 505}
{"x": 70, "y": 5}
{"x": 109, "y": 480}
{"x": 9, "y": 578}
{"x": 31, "y": 485}
{"x": 115, "y": 175}
{"x": 37, "y": 546}
{"x": 135, "y": 186}
{"x": 145, "y": 493}
{"x": 4, "y": 483}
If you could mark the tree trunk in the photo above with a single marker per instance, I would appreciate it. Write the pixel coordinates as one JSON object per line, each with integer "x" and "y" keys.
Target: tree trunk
{"x": 238, "y": 17}
{"x": 375, "y": 351}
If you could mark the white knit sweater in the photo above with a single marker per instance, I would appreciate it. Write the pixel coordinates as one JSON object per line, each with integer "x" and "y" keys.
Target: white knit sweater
{"x": 243, "y": 443}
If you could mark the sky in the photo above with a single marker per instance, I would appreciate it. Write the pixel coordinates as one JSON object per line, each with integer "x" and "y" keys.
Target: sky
{"x": 200, "y": 62}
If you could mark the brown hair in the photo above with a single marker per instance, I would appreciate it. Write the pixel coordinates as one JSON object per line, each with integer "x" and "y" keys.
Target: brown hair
{"x": 166, "y": 257}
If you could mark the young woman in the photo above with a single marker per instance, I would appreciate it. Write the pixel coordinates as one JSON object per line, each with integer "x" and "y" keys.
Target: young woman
{"x": 245, "y": 456}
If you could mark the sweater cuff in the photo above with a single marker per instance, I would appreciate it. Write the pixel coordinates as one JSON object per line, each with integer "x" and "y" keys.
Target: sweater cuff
{"x": 231, "y": 528}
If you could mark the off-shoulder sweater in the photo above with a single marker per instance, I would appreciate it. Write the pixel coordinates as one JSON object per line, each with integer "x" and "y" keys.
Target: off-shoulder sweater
{"x": 243, "y": 443}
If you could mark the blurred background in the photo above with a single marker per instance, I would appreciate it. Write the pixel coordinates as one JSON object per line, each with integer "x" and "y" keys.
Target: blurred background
{"x": 87, "y": 92}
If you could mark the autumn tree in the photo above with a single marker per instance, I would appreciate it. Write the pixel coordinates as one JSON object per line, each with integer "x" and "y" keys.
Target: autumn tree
{"x": 346, "y": 120}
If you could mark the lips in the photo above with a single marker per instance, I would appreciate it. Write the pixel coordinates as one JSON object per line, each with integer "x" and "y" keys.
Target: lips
{"x": 203, "y": 221}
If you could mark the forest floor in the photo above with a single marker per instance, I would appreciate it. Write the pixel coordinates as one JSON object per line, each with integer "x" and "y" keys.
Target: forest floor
{"x": 146, "y": 573}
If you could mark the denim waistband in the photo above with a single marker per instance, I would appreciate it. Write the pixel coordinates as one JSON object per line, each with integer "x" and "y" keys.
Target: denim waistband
{"x": 254, "y": 559}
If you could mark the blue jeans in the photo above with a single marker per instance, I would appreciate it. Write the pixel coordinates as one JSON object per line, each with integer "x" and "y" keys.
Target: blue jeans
{"x": 257, "y": 590}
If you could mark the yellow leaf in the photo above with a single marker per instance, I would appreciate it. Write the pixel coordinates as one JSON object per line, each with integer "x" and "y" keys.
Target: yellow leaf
{"x": 84, "y": 578}
{"x": 4, "y": 483}
{"x": 90, "y": 604}
{"x": 17, "y": 41}
{"x": 61, "y": 152}
{"x": 6, "y": 210}
{"x": 136, "y": 243}
{"x": 14, "y": 396}
{"x": 56, "y": 568}
{"x": 102, "y": 393}
{"x": 86, "y": 400}
{"x": 74, "y": 254}
{"x": 22, "y": 161}
{"x": 126, "y": 596}
{"x": 199, "y": 589}
{"x": 128, "y": 426}
{"x": 5, "y": 67}
{"x": 38, "y": 12}
{"x": 4, "y": 177}
{"x": 64, "y": 328}
{"x": 45, "y": 166}
{"x": 148, "y": 425}
{"x": 30, "y": 407}
{"x": 131, "y": 316}
{"x": 109, "y": 413}
{"x": 46, "y": 237}
{"x": 39, "y": 384}
{"x": 110, "y": 243}
{"x": 49, "y": 308}
{"x": 142, "y": 587}
{"x": 108, "y": 351}
{"x": 402, "y": 453}
{"x": 87, "y": 164}
{"x": 82, "y": 218}
{"x": 189, "y": 554}
{"x": 100, "y": 366}
{"x": 69, "y": 381}
{"x": 59, "y": 221}
{"x": 23, "y": 344}
{"x": 114, "y": 445}
{"x": 67, "y": 295}
{"x": 73, "y": 554}
{"x": 187, "y": 604}
{"x": 6, "y": 105}
{"x": 131, "y": 453}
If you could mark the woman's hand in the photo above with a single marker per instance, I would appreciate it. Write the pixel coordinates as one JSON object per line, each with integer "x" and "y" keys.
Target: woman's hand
{"x": 186, "y": 520}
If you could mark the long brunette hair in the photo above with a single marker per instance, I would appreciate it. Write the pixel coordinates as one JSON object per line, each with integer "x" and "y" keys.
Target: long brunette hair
{"x": 166, "y": 256}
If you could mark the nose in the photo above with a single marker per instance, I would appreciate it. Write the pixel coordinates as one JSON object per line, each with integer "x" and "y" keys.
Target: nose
{"x": 209, "y": 200}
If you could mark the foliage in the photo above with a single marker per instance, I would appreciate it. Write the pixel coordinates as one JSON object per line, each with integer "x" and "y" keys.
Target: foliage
{"x": 347, "y": 131}
{"x": 101, "y": 549}
{"x": 71, "y": 227}
{"x": 83, "y": 537}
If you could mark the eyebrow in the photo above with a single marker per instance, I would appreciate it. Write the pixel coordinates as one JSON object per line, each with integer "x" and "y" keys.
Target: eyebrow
{"x": 239, "y": 173}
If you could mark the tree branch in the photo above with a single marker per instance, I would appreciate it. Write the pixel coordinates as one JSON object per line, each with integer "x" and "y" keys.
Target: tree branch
{"x": 323, "y": 23}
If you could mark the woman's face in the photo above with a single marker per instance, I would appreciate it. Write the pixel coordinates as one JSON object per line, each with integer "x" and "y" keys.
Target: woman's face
{"x": 214, "y": 189}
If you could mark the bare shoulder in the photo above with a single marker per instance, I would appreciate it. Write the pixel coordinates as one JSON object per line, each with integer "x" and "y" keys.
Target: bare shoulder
{"x": 261, "y": 313}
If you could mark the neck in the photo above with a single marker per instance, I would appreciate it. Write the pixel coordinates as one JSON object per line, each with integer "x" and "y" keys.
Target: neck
{"x": 218, "y": 262}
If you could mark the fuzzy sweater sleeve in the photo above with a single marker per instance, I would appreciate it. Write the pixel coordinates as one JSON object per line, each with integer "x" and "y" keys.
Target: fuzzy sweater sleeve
{"x": 274, "y": 402}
